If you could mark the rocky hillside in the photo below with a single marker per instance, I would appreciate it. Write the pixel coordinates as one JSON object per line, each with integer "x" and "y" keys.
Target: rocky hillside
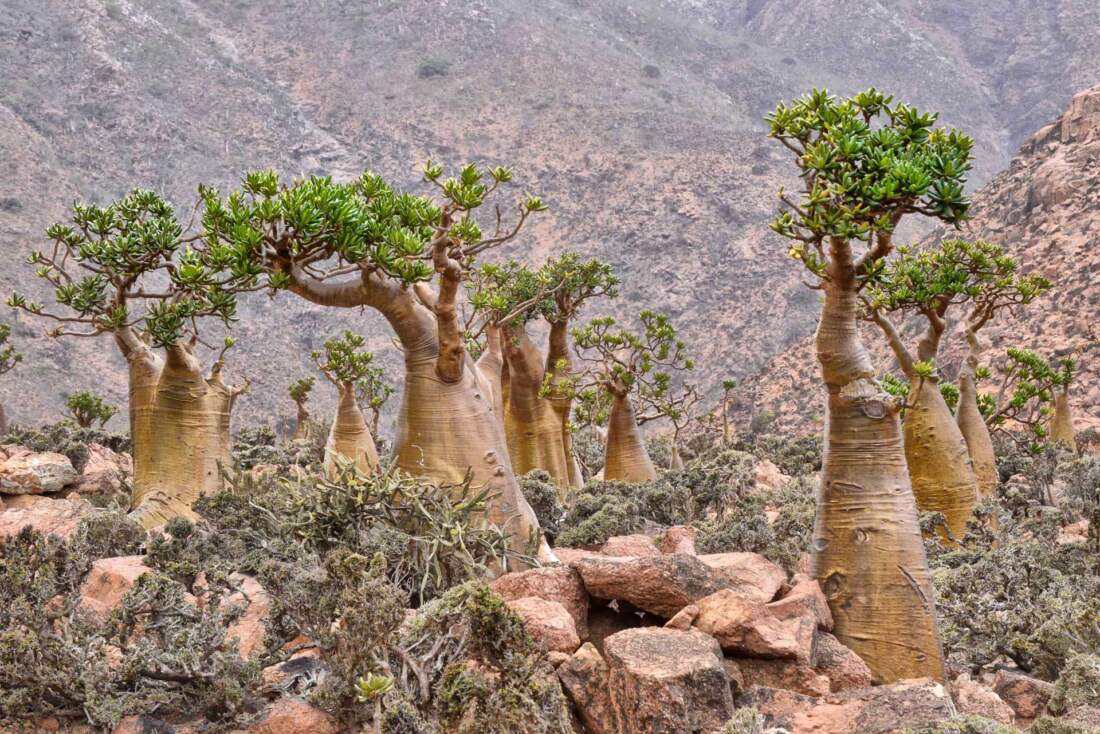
{"x": 640, "y": 123}
{"x": 1045, "y": 208}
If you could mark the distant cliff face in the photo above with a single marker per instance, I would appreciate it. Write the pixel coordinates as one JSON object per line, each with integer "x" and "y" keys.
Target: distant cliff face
{"x": 1045, "y": 209}
{"x": 640, "y": 124}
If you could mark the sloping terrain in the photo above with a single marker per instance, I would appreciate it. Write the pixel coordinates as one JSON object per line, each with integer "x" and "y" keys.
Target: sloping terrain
{"x": 640, "y": 123}
{"x": 1045, "y": 209}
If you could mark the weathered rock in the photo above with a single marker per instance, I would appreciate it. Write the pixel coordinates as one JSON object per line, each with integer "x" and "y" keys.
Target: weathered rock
{"x": 249, "y": 629}
{"x": 978, "y": 700}
{"x": 1026, "y": 696}
{"x": 683, "y": 618}
{"x": 769, "y": 476}
{"x": 553, "y": 583}
{"x": 844, "y": 668}
{"x": 23, "y": 471}
{"x": 679, "y": 539}
{"x": 623, "y": 546}
{"x": 749, "y": 574}
{"x": 585, "y": 678}
{"x": 548, "y": 623}
{"x": 290, "y": 675}
{"x": 880, "y": 710}
{"x": 804, "y": 598}
{"x": 1074, "y": 533}
{"x": 604, "y": 621}
{"x": 661, "y": 585}
{"x": 790, "y": 675}
{"x": 747, "y": 627}
{"x": 293, "y": 716}
{"x": 17, "y": 501}
{"x": 664, "y": 681}
{"x": 108, "y": 581}
{"x": 105, "y": 473}
{"x": 51, "y": 517}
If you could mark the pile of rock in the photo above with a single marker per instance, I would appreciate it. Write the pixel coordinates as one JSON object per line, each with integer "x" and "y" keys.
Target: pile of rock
{"x": 651, "y": 637}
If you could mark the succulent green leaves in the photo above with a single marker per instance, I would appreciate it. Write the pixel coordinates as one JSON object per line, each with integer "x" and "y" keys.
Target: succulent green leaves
{"x": 9, "y": 355}
{"x": 865, "y": 162}
{"x": 343, "y": 359}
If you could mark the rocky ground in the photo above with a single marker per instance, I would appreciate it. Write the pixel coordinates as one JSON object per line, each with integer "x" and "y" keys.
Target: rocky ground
{"x": 638, "y": 632}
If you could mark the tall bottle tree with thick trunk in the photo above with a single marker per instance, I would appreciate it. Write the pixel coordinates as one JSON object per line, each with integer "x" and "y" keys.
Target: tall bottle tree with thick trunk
{"x": 932, "y": 283}
{"x": 124, "y": 270}
{"x": 509, "y": 297}
{"x": 299, "y": 392}
{"x": 364, "y": 243}
{"x": 344, "y": 362}
{"x": 865, "y": 163}
{"x": 9, "y": 357}
{"x": 626, "y": 382}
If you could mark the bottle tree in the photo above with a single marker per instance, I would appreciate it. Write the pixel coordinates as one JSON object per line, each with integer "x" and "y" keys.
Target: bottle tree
{"x": 1062, "y": 432}
{"x": 9, "y": 357}
{"x": 679, "y": 407}
{"x": 998, "y": 287}
{"x": 626, "y": 381}
{"x": 299, "y": 391}
{"x": 864, "y": 163}
{"x": 932, "y": 284}
{"x": 373, "y": 391}
{"x": 1025, "y": 397}
{"x": 86, "y": 408}
{"x": 344, "y": 362}
{"x": 365, "y": 243}
{"x": 727, "y": 432}
{"x": 125, "y": 270}
{"x": 509, "y": 298}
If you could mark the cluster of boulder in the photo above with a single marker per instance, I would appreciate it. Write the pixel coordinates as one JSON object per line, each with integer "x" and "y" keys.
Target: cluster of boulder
{"x": 45, "y": 491}
{"x": 649, "y": 637}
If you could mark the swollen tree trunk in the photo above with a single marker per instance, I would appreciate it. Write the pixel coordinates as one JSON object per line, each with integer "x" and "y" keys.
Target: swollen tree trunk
{"x": 186, "y": 433}
{"x": 301, "y": 426}
{"x": 1061, "y": 425}
{"x": 625, "y": 456}
{"x": 939, "y": 464}
{"x": 532, "y": 427}
{"x": 3, "y": 421}
{"x": 492, "y": 367}
{"x": 559, "y": 363}
{"x": 972, "y": 425}
{"x": 868, "y": 552}
{"x": 349, "y": 437}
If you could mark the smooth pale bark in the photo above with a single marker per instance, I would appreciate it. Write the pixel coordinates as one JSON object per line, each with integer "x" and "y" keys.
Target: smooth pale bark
{"x": 302, "y": 424}
{"x": 446, "y": 425}
{"x": 625, "y": 456}
{"x": 559, "y": 363}
{"x": 183, "y": 435}
{"x": 532, "y": 426}
{"x": 3, "y": 421}
{"x": 868, "y": 552}
{"x": 349, "y": 437}
{"x": 1061, "y": 425}
{"x": 939, "y": 464}
{"x": 972, "y": 426}
{"x": 491, "y": 365}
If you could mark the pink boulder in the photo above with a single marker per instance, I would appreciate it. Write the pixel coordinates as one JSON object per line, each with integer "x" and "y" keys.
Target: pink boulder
{"x": 548, "y": 623}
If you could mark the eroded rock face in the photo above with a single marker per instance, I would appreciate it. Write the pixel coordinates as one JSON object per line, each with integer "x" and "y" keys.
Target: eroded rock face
{"x": 548, "y": 623}
{"x": 790, "y": 675}
{"x": 584, "y": 677}
{"x": 679, "y": 539}
{"x": 804, "y": 598}
{"x": 105, "y": 473}
{"x": 23, "y": 471}
{"x": 553, "y": 583}
{"x": 844, "y": 668}
{"x": 293, "y": 716}
{"x": 661, "y": 585}
{"x": 1026, "y": 696}
{"x": 48, "y": 516}
{"x": 747, "y": 627}
{"x": 880, "y": 710}
{"x": 664, "y": 681}
{"x": 978, "y": 700}
{"x": 249, "y": 629}
{"x": 749, "y": 574}
{"x": 622, "y": 546}
{"x": 108, "y": 581}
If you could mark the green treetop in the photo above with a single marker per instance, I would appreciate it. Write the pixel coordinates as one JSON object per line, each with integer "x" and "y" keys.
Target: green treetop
{"x": 344, "y": 361}
{"x": 9, "y": 355}
{"x": 301, "y": 388}
{"x": 87, "y": 408}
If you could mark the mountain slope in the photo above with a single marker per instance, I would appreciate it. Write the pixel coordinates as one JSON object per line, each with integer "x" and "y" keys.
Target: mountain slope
{"x": 1045, "y": 210}
{"x": 640, "y": 123}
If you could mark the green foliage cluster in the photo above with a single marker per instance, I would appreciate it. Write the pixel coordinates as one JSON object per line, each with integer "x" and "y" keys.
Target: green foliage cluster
{"x": 9, "y": 355}
{"x": 792, "y": 455}
{"x": 300, "y": 389}
{"x": 67, "y": 438}
{"x": 1028, "y": 383}
{"x": 865, "y": 162}
{"x": 343, "y": 359}
{"x": 257, "y": 445}
{"x": 746, "y": 720}
{"x": 542, "y": 495}
{"x": 86, "y": 408}
{"x": 1077, "y": 685}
